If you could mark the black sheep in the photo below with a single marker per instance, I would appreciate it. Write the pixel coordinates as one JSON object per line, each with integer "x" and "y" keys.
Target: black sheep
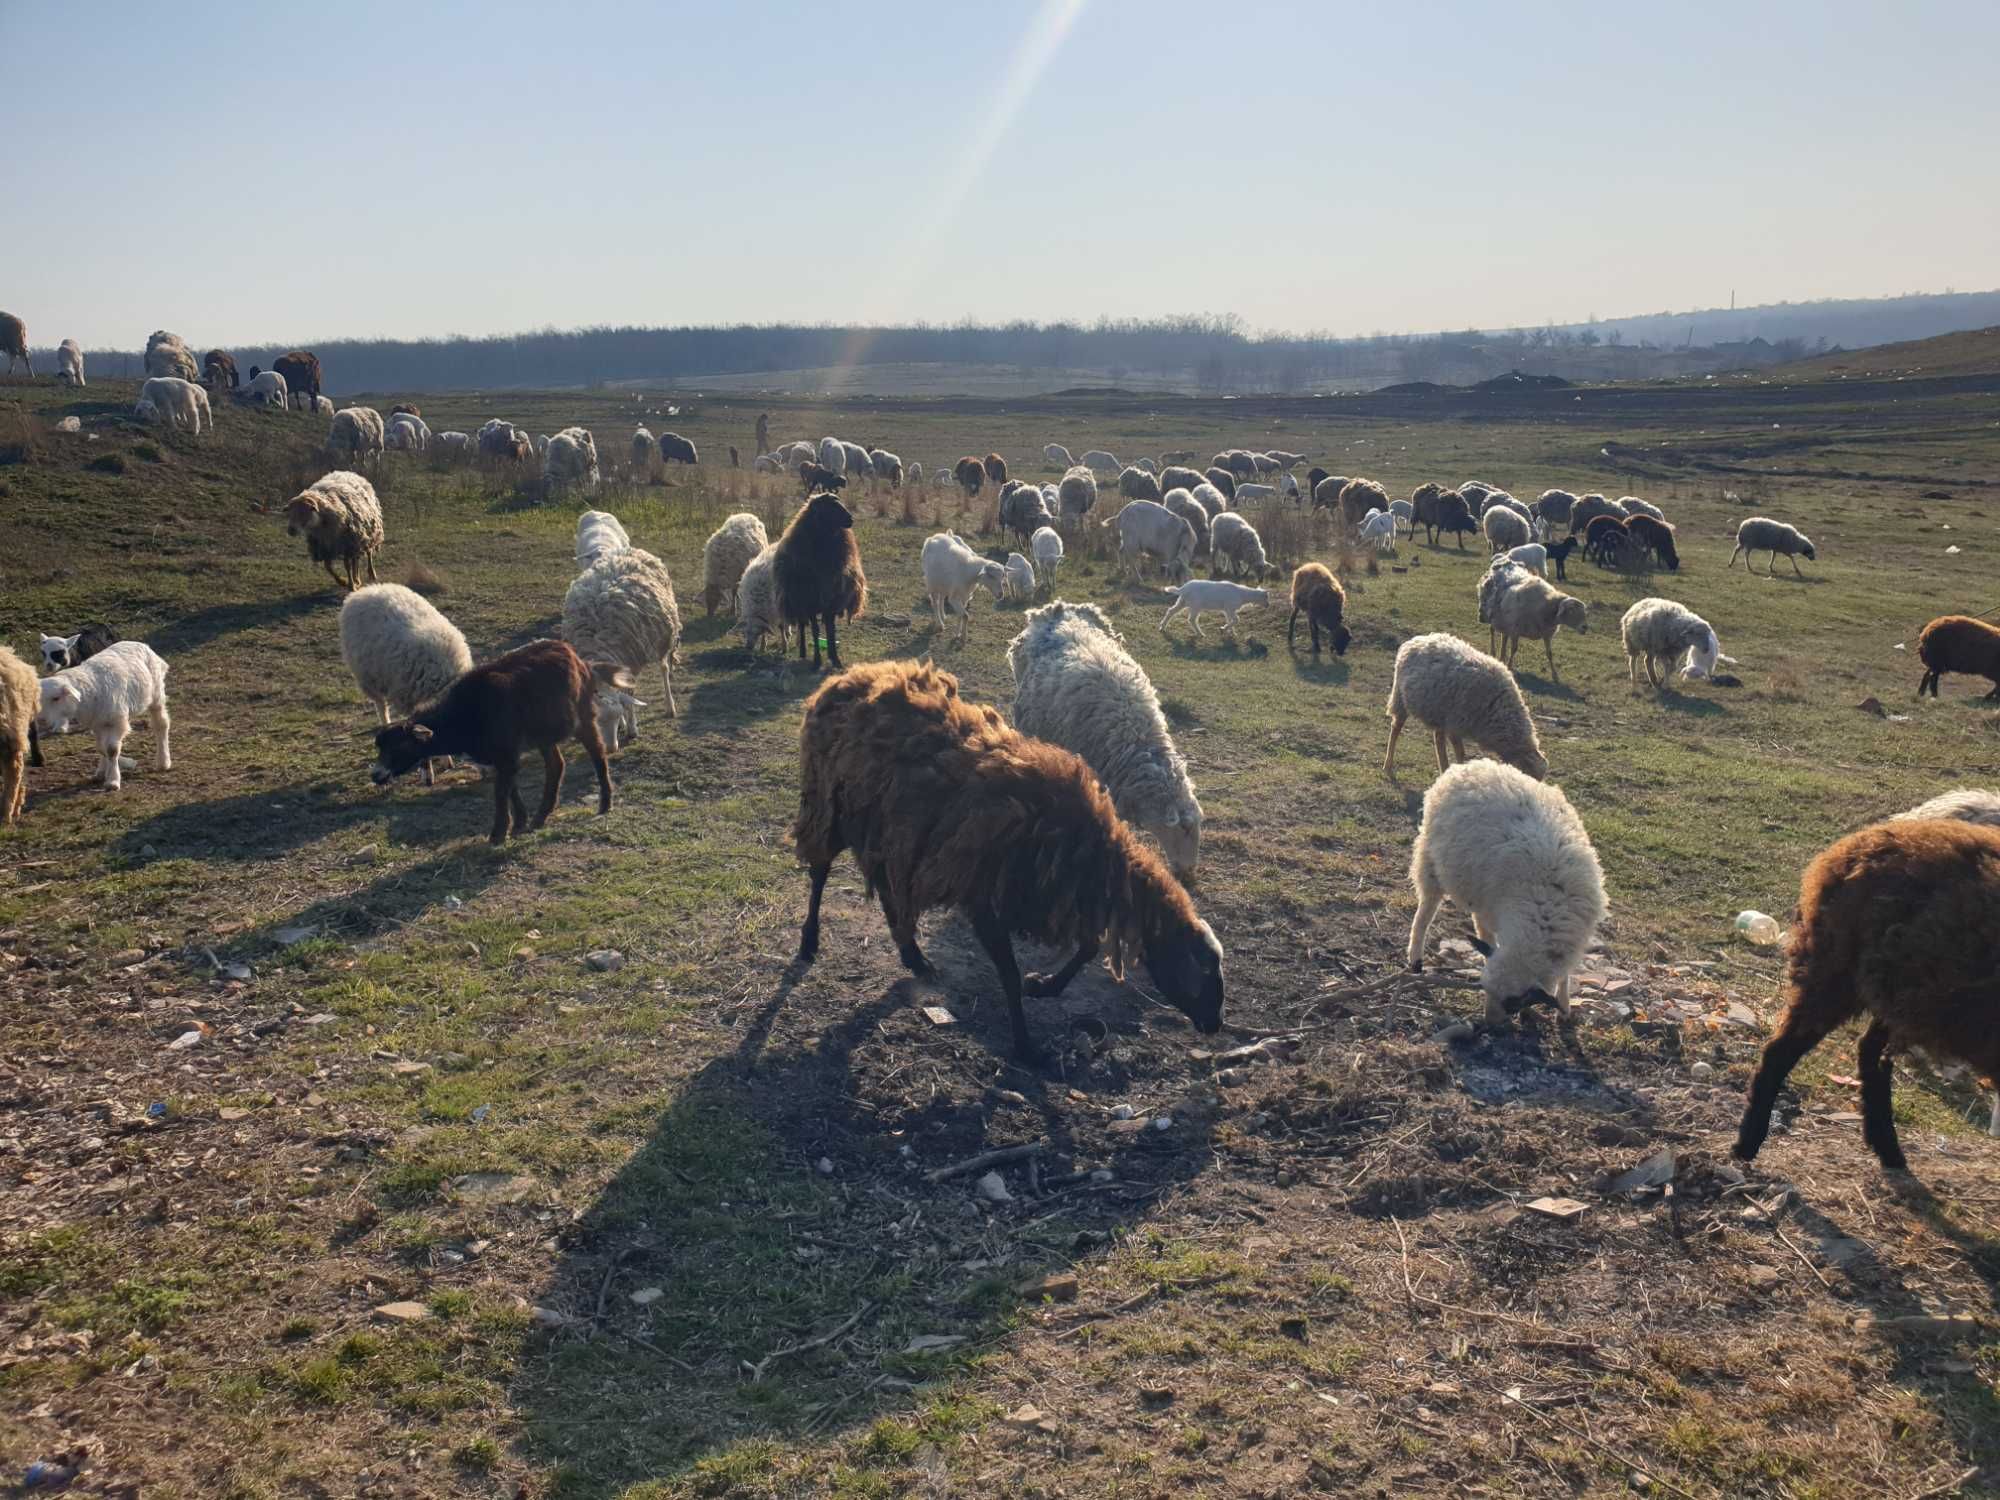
{"x": 677, "y": 449}
{"x": 816, "y": 572}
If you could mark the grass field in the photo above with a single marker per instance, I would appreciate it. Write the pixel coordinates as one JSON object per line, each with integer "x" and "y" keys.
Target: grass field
{"x": 667, "y": 1229}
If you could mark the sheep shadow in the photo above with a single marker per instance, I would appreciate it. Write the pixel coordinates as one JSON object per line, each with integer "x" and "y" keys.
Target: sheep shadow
{"x": 757, "y": 687}
{"x": 780, "y": 1196}
{"x": 1683, "y": 703}
{"x": 191, "y": 631}
{"x": 1333, "y": 671}
{"x": 1546, "y": 687}
{"x": 1215, "y": 647}
{"x": 394, "y": 899}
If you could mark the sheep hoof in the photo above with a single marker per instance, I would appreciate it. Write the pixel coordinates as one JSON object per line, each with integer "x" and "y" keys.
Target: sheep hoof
{"x": 1038, "y": 986}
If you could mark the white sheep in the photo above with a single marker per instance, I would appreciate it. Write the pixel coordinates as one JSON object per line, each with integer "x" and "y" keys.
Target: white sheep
{"x": 1288, "y": 486}
{"x": 767, "y": 463}
{"x": 1634, "y": 506}
{"x": 887, "y": 466}
{"x": 1077, "y": 492}
{"x": 1661, "y": 631}
{"x": 1533, "y": 609}
{"x": 1147, "y": 528}
{"x": 833, "y": 455}
{"x": 1379, "y": 527}
{"x": 1459, "y": 692}
{"x": 69, "y": 363}
{"x": 402, "y": 651}
{"x": 541, "y": 445}
{"x": 859, "y": 464}
{"x": 124, "y": 681}
{"x": 1965, "y": 805}
{"x": 1512, "y": 852}
{"x": 597, "y": 533}
{"x": 1100, "y": 462}
{"x": 757, "y": 601}
{"x": 915, "y": 472}
{"x": 621, "y": 616}
{"x": 405, "y": 434}
{"x": 1020, "y": 576}
{"x": 167, "y": 354}
{"x": 357, "y": 434}
{"x": 458, "y": 444}
{"x": 1047, "y": 545}
{"x": 1252, "y": 494}
{"x": 952, "y": 571}
{"x": 730, "y": 548}
{"x": 1076, "y": 686}
{"x": 1761, "y": 533}
{"x": 176, "y": 402}
{"x": 1505, "y": 528}
{"x": 570, "y": 457}
{"x": 1233, "y": 540}
{"x": 266, "y": 388}
{"x": 322, "y": 406}
{"x": 646, "y": 461}
{"x": 1058, "y": 455}
{"x": 1199, "y": 594}
{"x": 1405, "y": 514}
{"x": 1533, "y": 556}
{"x": 1210, "y": 499}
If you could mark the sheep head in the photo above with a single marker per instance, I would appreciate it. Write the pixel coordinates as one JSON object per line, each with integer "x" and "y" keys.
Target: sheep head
{"x": 60, "y": 701}
{"x": 1573, "y": 614}
{"x": 1186, "y": 963}
{"x": 399, "y": 748}
{"x": 302, "y": 515}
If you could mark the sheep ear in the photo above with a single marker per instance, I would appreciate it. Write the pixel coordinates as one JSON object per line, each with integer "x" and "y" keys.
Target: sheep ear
{"x": 421, "y": 733}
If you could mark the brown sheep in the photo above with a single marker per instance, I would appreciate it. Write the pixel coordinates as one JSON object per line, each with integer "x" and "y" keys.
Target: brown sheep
{"x": 816, "y": 574}
{"x": 218, "y": 370}
{"x": 1318, "y": 595}
{"x": 1655, "y": 537}
{"x": 14, "y": 342}
{"x": 405, "y": 410}
{"x": 815, "y": 480}
{"x": 996, "y": 469}
{"x": 1358, "y": 497}
{"x": 1605, "y": 540}
{"x": 301, "y": 372}
{"x": 1326, "y": 494}
{"x": 970, "y": 474}
{"x": 1958, "y": 643}
{"x": 1449, "y": 514}
{"x": 1900, "y": 921}
{"x": 1313, "y": 477}
{"x": 1588, "y": 509}
{"x": 20, "y": 699}
{"x": 946, "y": 805}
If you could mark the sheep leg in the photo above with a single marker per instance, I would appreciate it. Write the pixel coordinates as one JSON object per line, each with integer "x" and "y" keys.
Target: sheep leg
{"x": 35, "y": 745}
{"x": 327, "y": 563}
{"x": 907, "y": 951}
{"x": 505, "y": 770}
{"x": 1458, "y": 748}
{"x": 809, "y": 933}
{"x": 592, "y": 739}
{"x": 1549, "y": 645}
{"x": 1878, "y": 1122}
{"x": 1292, "y": 630}
{"x": 1795, "y": 565}
{"x": 1056, "y": 983}
{"x": 552, "y": 779}
{"x": 110, "y": 741}
{"x": 1172, "y": 610}
{"x": 667, "y": 682}
{"x": 832, "y": 645}
{"x": 1430, "y": 896}
{"x": 1652, "y": 678}
{"x": 999, "y": 945}
{"x": 937, "y": 608}
{"x": 1772, "y": 571}
{"x": 1396, "y": 721}
{"x": 1800, "y": 1033}
{"x": 1737, "y": 553}
{"x": 1444, "y": 760}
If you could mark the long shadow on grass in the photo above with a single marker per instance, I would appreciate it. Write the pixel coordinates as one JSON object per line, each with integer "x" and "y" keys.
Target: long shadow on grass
{"x": 218, "y": 620}
{"x": 780, "y": 1200}
{"x": 740, "y": 689}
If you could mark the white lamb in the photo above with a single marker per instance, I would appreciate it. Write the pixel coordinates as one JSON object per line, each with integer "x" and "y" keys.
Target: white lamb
{"x": 1505, "y": 528}
{"x": 357, "y": 434}
{"x": 1058, "y": 455}
{"x": 598, "y": 532}
{"x": 1076, "y": 686}
{"x": 1199, "y": 594}
{"x": 952, "y": 571}
{"x": 1379, "y": 527}
{"x": 621, "y": 616}
{"x": 1233, "y": 540}
{"x": 1020, "y": 576}
{"x": 1513, "y": 853}
{"x": 406, "y": 434}
{"x": 322, "y": 406}
{"x": 570, "y": 458}
{"x": 458, "y": 444}
{"x": 177, "y": 402}
{"x": 1459, "y": 692}
{"x": 1047, "y": 545}
{"x": 402, "y": 651}
{"x": 1147, "y": 528}
{"x": 1100, "y": 462}
{"x": 1663, "y": 632}
{"x": 730, "y": 549}
{"x": 69, "y": 363}
{"x": 1761, "y": 533}
{"x": 1405, "y": 514}
{"x": 757, "y": 601}
{"x": 266, "y": 388}
{"x": 1533, "y": 556}
{"x": 1252, "y": 494}
{"x": 124, "y": 681}
{"x": 646, "y": 461}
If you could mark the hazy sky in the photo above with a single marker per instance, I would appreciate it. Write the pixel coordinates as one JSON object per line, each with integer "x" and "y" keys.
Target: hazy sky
{"x": 237, "y": 172}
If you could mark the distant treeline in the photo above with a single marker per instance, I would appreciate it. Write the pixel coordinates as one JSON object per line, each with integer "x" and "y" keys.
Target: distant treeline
{"x": 1206, "y": 353}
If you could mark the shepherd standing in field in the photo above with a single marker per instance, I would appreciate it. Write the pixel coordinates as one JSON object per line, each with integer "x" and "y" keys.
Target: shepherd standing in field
{"x": 764, "y": 432}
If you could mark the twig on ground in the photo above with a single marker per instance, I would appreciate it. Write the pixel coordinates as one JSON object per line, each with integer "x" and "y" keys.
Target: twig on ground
{"x": 650, "y": 1347}
{"x": 1802, "y": 1257}
{"x": 755, "y": 1373}
{"x": 1468, "y": 1312}
{"x": 1133, "y": 1304}
{"x": 1395, "y": 979}
{"x": 986, "y": 1159}
{"x": 1949, "y": 1487}
{"x": 1574, "y": 1431}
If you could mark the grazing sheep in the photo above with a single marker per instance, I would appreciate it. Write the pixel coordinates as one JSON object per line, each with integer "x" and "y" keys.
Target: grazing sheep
{"x": 1148, "y": 528}
{"x": 1554, "y": 506}
{"x": 1423, "y": 505}
{"x": 1607, "y": 541}
{"x": 1899, "y": 922}
{"x": 859, "y": 467}
{"x": 970, "y": 474}
{"x": 1100, "y": 462}
{"x": 1179, "y": 477}
{"x": 675, "y": 449}
{"x": 1534, "y": 556}
{"x": 532, "y": 698}
{"x": 766, "y": 463}
{"x": 502, "y": 440}
{"x": 1534, "y": 609}
{"x": 1136, "y": 484}
{"x": 301, "y": 372}
{"x": 944, "y": 805}
{"x": 1504, "y": 529}
{"x": 1315, "y": 477}
{"x": 1199, "y": 594}
{"x": 267, "y": 388}
{"x": 916, "y": 473}
{"x": 14, "y": 343}
{"x": 407, "y": 434}
{"x": 69, "y": 363}
{"x": 1047, "y": 546}
{"x": 952, "y": 571}
{"x": 996, "y": 469}
{"x": 1519, "y": 507}
{"x": 1511, "y": 851}
{"x": 124, "y": 681}
{"x": 814, "y": 480}
{"x": 1475, "y": 493}
{"x": 621, "y": 616}
{"x": 1448, "y": 516}
{"x": 833, "y": 455}
{"x": 402, "y": 651}
{"x": 1761, "y": 533}
{"x": 817, "y": 574}
{"x": 1459, "y": 692}
{"x": 1223, "y": 480}
{"x": 1358, "y": 497}
{"x": 1379, "y": 527}
{"x": 1234, "y": 541}
{"x": 1655, "y": 537}
{"x": 341, "y": 521}
{"x": 1076, "y": 686}
{"x": 1254, "y": 494}
{"x": 1406, "y": 516}
{"x": 1023, "y": 510}
{"x": 571, "y": 458}
{"x": 1326, "y": 493}
{"x": 729, "y": 550}
{"x": 20, "y": 701}
{"x": 1967, "y": 804}
{"x": 1632, "y": 505}
{"x": 1078, "y": 492}
{"x": 1183, "y": 504}
{"x": 1239, "y": 461}
{"x": 218, "y": 370}
{"x": 322, "y": 406}
{"x": 1588, "y": 509}
{"x": 1661, "y": 631}
{"x": 1285, "y": 460}
{"x": 1288, "y": 486}
{"x": 1501, "y": 575}
{"x": 357, "y": 434}
{"x": 1317, "y": 594}
{"x": 168, "y": 356}
{"x": 1020, "y": 577}
{"x": 757, "y": 602}
{"x": 1210, "y": 499}
{"x": 1058, "y": 455}
{"x": 457, "y": 444}
{"x": 1958, "y": 643}
{"x": 887, "y": 466}
{"x": 645, "y": 452}
{"x": 176, "y": 402}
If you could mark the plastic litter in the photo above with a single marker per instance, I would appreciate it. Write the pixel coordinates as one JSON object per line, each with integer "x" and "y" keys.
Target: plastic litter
{"x": 1755, "y": 927}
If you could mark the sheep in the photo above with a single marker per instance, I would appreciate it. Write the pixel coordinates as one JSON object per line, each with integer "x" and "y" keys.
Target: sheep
{"x": 1534, "y": 556}
{"x": 1223, "y": 480}
{"x": 766, "y": 463}
{"x": 218, "y": 369}
{"x": 1148, "y": 465}
{"x": 1135, "y": 483}
{"x": 675, "y": 449}
{"x": 341, "y": 521}
{"x": 532, "y": 698}
{"x": 1501, "y": 575}
{"x": 887, "y": 466}
{"x": 916, "y": 473}
{"x": 1254, "y": 494}
{"x": 814, "y": 480}
{"x": 301, "y": 372}
{"x": 832, "y": 455}
{"x": 952, "y": 571}
{"x": 69, "y": 363}
{"x": 14, "y": 343}
{"x": 1448, "y": 516}
{"x": 1288, "y": 487}
{"x": 168, "y": 355}
{"x": 1760, "y": 533}
{"x": 1183, "y": 504}
{"x": 1023, "y": 511}
{"x": 1057, "y": 455}
{"x": 1359, "y": 496}
{"x": 1458, "y": 692}
{"x": 1520, "y": 508}
{"x": 1020, "y": 577}
{"x": 817, "y": 575}
{"x": 944, "y": 805}
{"x": 730, "y": 548}
{"x": 599, "y": 532}
{"x": 1649, "y": 534}
{"x": 1475, "y": 493}
{"x": 1379, "y": 527}
{"x": 1285, "y": 460}
{"x": 570, "y": 458}
{"x": 1559, "y": 555}
{"x": 757, "y": 602}
{"x": 621, "y": 616}
{"x": 1177, "y": 456}
{"x": 176, "y": 402}
{"x": 1504, "y": 529}
{"x": 1659, "y": 630}
{"x": 1607, "y": 541}
{"x": 971, "y": 476}
{"x": 1511, "y": 851}
{"x": 1078, "y": 492}
{"x": 996, "y": 469}
{"x": 357, "y": 434}
{"x": 1210, "y": 499}
{"x": 124, "y": 681}
{"x": 1239, "y": 461}
{"x": 1899, "y": 921}
{"x": 1317, "y": 594}
{"x": 1534, "y": 609}
{"x": 1047, "y": 546}
{"x": 859, "y": 465}
{"x": 1315, "y": 477}
{"x": 1406, "y": 516}
{"x": 20, "y": 700}
{"x": 59, "y": 651}
{"x": 1423, "y": 505}
{"x": 1100, "y": 462}
{"x": 1958, "y": 643}
{"x": 1588, "y": 509}
{"x": 1234, "y": 541}
{"x": 406, "y": 435}
{"x": 457, "y": 444}
{"x": 267, "y": 388}
{"x": 402, "y": 651}
{"x": 1554, "y": 506}
{"x": 1179, "y": 477}
{"x": 645, "y": 452}
{"x": 1145, "y": 527}
{"x": 1632, "y": 505}
{"x": 1199, "y": 594}
{"x": 1076, "y": 686}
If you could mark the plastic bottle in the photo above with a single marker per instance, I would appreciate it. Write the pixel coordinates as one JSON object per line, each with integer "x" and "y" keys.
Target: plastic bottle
{"x": 1755, "y": 927}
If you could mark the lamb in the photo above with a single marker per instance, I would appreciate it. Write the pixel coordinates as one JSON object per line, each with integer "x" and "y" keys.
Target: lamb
{"x": 1555, "y": 506}
{"x": 757, "y": 601}
{"x": 571, "y": 458}
{"x": 1047, "y": 546}
{"x": 176, "y": 402}
{"x": 1076, "y": 686}
{"x": 1379, "y": 527}
{"x": 1183, "y": 504}
{"x": 1652, "y": 535}
{"x": 14, "y": 343}
{"x": 341, "y": 521}
{"x": 952, "y": 571}
{"x": 1288, "y": 487}
{"x": 59, "y": 651}
{"x": 675, "y": 449}
{"x": 1179, "y": 477}
{"x": 357, "y": 434}
{"x": 887, "y": 466}
{"x": 598, "y": 532}
{"x": 1100, "y": 462}
{"x": 1020, "y": 577}
{"x": 945, "y": 806}
{"x": 1967, "y": 804}
{"x": 1406, "y": 516}
{"x": 69, "y": 363}
{"x": 1254, "y": 494}
{"x": 1559, "y": 555}
{"x": 1761, "y": 533}
{"x": 1512, "y": 852}
{"x": 1224, "y": 481}
{"x": 456, "y": 444}
{"x": 1659, "y": 630}
{"x": 1899, "y": 921}
{"x": 1023, "y": 511}
{"x": 1317, "y": 594}
{"x": 1504, "y": 529}
{"x": 1078, "y": 491}
{"x": 730, "y": 549}
{"x": 1146, "y": 528}
{"x": 167, "y": 355}
{"x": 407, "y": 434}
{"x": 218, "y": 369}
{"x": 1534, "y": 556}
{"x": 532, "y": 698}
{"x": 104, "y": 695}
{"x": 1533, "y": 609}
{"x": 1958, "y": 643}
{"x": 267, "y": 388}
{"x": 1234, "y": 541}
{"x": 322, "y": 406}
{"x": 1136, "y": 484}
{"x": 814, "y": 480}
{"x": 1285, "y": 460}
{"x": 971, "y": 476}
{"x": 1199, "y": 594}
{"x": 621, "y": 616}
{"x": 20, "y": 700}
{"x": 301, "y": 372}
{"x": 817, "y": 574}
{"x": 1459, "y": 692}
{"x": 645, "y": 452}
{"x": 402, "y": 651}
{"x": 1058, "y": 455}
{"x": 916, "y": 473}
